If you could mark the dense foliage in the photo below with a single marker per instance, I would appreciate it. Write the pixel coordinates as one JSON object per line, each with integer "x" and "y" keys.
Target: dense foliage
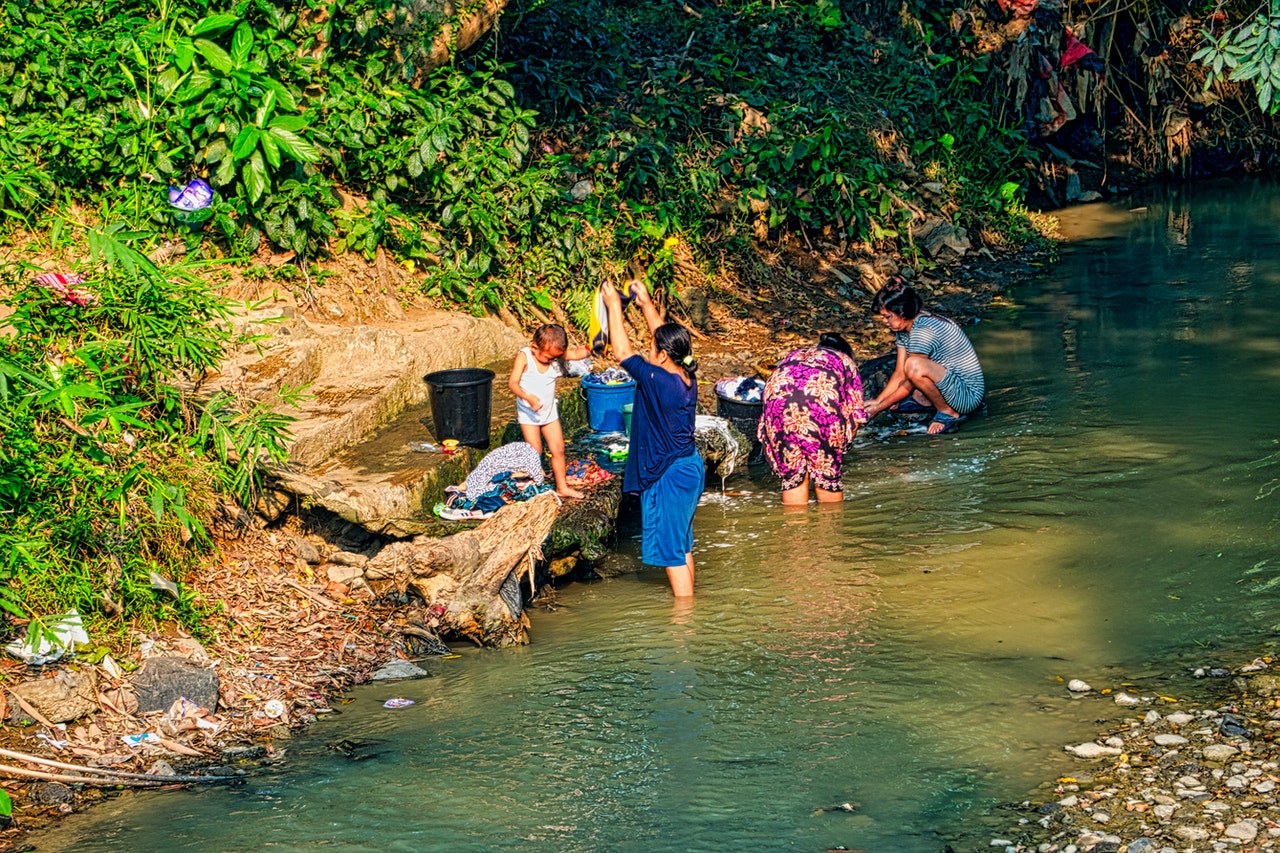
{"x": 107, "y": 466}
{"x": 746, "y": 120}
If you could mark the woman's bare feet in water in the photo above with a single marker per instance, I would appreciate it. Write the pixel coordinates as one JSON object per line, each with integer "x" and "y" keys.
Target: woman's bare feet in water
{"x": 570, "y": 494}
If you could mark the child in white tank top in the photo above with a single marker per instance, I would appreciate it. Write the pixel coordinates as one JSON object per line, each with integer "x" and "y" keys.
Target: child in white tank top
{"x": 533, "y": 382}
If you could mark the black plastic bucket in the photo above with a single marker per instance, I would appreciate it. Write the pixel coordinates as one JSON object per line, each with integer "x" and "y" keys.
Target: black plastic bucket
{"x": 461, "y": 404}
{"x": 745, "y": 415}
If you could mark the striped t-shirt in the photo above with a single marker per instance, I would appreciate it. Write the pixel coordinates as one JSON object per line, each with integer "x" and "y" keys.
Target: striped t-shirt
{"x": 941, "y": 340}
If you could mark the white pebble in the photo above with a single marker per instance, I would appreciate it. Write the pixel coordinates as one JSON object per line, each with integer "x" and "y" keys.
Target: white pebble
{"x": 1169, "y": 740}
{"x": 1075, "y": 685}
{"x": 1123, "y": 698}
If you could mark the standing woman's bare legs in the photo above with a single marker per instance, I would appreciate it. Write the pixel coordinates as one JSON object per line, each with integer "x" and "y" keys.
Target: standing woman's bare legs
{"x": 681, "y": 578}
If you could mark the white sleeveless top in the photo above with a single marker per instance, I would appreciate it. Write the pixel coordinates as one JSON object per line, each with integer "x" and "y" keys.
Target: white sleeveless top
{"x": 541, "y": 384}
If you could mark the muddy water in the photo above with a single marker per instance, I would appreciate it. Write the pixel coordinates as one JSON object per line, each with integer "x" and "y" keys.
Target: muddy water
{"x": 1112, "y": 518}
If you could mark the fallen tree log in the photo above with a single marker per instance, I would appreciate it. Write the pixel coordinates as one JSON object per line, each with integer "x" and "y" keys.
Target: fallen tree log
{"x": 470, "y": 580}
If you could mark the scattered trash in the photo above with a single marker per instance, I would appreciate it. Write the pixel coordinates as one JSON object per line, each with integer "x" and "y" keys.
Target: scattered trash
{"x": 53, "y": 742}
{"x": 449, "y": 445}
{"x": 423, "y": 447}
{"x": 39, "y": 649}
{"x": 196, "y": 195}
{"x": 163, "y": 584}
{"x": 135, "y": 741}
{"x": 63, "y": 285}
{"x": 397, "y": 703}
{"x": 274, "y": 709}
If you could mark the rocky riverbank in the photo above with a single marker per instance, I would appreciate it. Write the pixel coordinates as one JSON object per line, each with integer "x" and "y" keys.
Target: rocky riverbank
{"x": 1172, "y": 776}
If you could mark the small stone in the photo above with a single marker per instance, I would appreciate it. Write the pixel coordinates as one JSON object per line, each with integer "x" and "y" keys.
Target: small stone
{"x": 1152, "y": 716}
{"x": 1245, "y": 830}
{"x": 52, "y": 794}
{"x": 1191, "y": 833}
{"x": 1164, "y": 812}
{"x": 339, "y": 573}
{"x": 307, "y": 552}
{"x": 1101, "y": 817}
{"x": 1117, "y": 742}
{"x": 1000, "y": 842}
{"x": 1076, "y": 685}
{"x": 162, "y": 768}
{"x": 1219, "y": 751}
{"x": 347, "y": 558}
{"x": 1092, "y": 750}
{"x": 1266, "y": 786}
{"x": 400, "y": 669}
{"x": 1169, "y": 740}
{"x": 161, "y": 681}
{"x": 1069, "y": 802}
{"x": 1140, "y": 845}
{"x": 68, "y": 695}
{"x": 1179, "y": 719}
{"x": 1237, "y": 782}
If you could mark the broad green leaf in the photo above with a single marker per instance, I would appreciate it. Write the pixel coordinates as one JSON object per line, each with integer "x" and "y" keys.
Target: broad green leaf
{"x": 264, "y": 109}
{"x": 294, "y": 145}
{"x": 246, "y": 142}
{"x": 255, "y": 177}
{"x": 215, "y": 24}
{"x": 242, "y": 44}
{"x": 214, "y": 55}
{"x": 284, "y": 98}
{"x": 293, "y": 123}
{"x": 271, "y": 149}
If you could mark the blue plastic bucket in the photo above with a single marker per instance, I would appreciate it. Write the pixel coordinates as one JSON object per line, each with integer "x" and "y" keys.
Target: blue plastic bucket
{"x": 605, "y": 402}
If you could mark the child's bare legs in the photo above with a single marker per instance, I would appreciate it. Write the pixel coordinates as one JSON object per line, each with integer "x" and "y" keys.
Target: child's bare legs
{"x": 555, "y": 443}
{"x": 533, "y": 435}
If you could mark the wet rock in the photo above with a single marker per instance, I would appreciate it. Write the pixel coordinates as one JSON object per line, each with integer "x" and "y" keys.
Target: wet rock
{"x": 243, "y": 753}
{"x": 348, "y": 558}
{"x": 1245, "y": 831}
{"x": 1092, "y": 750}
{"x": 1219, "y": 752}
{"x": 272, "y": 504}
{"x": 936, "y": 234}
{"x": 1231, "y": 727}
{"x": 1169, "y": 740}
{"x": 400, "y": 669}
{"x": 161, "y": 681}
{"x": 1191, "y": 833}
{"x": 307, "y": 552}
{"x": 161, "y": 768}
{"x": 52, "y": 794}
{"x": 344, "y": 574}
{"x": 67, "y": 696}
{"x": 1077, "y": 685}
{"x": 1123, "y": 698}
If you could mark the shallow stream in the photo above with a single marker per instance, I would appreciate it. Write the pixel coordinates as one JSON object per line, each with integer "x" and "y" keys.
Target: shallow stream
{"x": 1112, "y": 518}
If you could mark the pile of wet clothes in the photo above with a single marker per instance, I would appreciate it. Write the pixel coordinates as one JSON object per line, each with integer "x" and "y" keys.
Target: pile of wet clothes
{"x": 509, "y": 474}
{"x": 747, "y": 389}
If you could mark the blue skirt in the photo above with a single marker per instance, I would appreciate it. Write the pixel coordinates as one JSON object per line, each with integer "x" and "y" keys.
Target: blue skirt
{"x": 667, "y": 512}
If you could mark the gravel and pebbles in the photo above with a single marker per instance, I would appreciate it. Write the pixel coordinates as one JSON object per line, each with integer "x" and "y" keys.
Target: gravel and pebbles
{"x": 1170, "y": 778}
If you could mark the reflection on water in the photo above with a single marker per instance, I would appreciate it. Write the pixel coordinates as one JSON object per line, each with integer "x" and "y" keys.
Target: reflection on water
{"x": 1112, "y": 518}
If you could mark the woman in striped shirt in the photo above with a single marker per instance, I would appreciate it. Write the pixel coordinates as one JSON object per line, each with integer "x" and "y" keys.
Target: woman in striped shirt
{"x": 937, "y": 367}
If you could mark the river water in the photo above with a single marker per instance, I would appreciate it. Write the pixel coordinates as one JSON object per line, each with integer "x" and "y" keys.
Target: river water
{"x": 1112, "y": 518}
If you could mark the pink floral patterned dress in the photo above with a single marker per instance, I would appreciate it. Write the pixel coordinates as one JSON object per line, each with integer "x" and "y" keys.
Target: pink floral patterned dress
{"x": 812, "y": 410}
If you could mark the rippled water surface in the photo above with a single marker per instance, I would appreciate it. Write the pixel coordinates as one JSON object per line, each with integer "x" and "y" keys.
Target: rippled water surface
{"x": 1112, "y": 518}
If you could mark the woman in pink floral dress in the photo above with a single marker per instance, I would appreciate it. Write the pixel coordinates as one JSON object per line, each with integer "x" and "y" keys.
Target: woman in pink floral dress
{"x": 812, "y": 411}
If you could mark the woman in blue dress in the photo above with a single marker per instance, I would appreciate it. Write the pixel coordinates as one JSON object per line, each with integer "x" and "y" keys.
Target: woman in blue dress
{"x": 663, "y": 464}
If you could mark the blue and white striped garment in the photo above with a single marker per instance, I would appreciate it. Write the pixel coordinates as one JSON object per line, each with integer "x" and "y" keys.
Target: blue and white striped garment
{"x": 941, "y": 340}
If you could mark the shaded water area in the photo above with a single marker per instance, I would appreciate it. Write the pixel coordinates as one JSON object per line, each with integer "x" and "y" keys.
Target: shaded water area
{"x": 1112, "y": 518}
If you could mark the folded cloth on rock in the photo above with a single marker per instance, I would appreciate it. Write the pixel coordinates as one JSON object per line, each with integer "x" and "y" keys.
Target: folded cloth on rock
{"x": 717, "y": 444}
{"x": 505, "y": 488}
{"x": 748, "y": 389}
{"x": 518, "y": 456}
{"x": 585, "y": 472}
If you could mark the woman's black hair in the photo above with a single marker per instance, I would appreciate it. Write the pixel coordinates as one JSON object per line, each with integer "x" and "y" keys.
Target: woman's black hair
{"x": 553, "y": 335}
{"x": 835, "y": 341}
{"x": 675, "y": 340}
{"x": 898, "y": 297}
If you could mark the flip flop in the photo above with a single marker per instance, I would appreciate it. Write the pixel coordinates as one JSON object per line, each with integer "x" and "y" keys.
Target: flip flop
{"x": 950, "y": 423}
{"x": 910, "y": 406}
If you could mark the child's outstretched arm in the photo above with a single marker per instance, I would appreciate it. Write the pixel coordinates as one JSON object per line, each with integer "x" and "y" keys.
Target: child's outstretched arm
{"x": 576, "y": 353}
{"x": 518, "y": 367}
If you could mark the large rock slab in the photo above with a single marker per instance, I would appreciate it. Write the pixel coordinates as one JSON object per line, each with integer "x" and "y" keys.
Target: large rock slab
{"x": 68, "y": 695}
{"x": 162, "y": 680}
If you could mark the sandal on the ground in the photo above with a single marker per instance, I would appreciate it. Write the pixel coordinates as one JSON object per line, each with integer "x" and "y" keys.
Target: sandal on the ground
{"x": 950, "y": 423}
{"x": 910, "y": 406}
